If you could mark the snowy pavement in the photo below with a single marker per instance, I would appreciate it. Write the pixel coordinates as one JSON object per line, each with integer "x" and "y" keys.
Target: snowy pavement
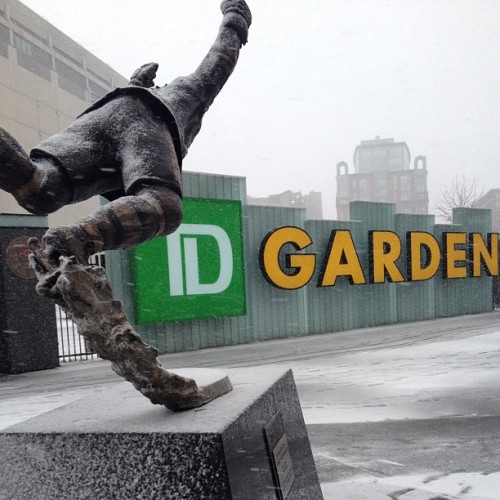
{"x": 401, "y": 412}
{"x": 458, "y": 378}
{"x": 430, "y": 388}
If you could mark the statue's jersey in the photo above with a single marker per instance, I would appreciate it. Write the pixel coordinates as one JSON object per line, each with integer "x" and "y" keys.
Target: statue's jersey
{"x": 120, "y": 143}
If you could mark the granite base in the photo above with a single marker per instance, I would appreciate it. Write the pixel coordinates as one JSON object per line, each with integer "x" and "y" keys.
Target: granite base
{"x": 249, "y": 444}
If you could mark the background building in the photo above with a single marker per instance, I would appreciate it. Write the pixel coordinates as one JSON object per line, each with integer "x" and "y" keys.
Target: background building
{"x": 295, "y": 199}
{"x": 46, "y": 80}
{"x": 491, "y": 200}
{"x": 382, "y": 173}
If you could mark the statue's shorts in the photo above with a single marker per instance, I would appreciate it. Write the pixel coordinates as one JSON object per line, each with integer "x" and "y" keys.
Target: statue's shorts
{"x": 119, "y": 148}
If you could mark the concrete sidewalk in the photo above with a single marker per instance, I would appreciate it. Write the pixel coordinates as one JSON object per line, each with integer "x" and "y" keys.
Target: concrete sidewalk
{"x": 375, "y": 400}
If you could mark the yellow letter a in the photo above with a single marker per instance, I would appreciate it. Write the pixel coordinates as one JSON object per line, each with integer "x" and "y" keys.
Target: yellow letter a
{"x": 341, "y": 260}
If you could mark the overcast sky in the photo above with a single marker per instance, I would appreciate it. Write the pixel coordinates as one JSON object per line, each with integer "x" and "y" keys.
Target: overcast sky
{"x": 317, "y": 77}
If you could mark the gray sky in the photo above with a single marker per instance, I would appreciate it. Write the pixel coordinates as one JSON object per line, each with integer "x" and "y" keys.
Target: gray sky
{"x": 317, "y": 77}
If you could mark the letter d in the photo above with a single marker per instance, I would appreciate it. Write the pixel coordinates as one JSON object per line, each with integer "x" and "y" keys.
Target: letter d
{"x": 193, "y": 285}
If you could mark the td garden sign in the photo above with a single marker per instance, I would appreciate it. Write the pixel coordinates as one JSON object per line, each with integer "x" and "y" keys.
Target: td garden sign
{"x": 423, "y": 257}
{"x": 199, "y": 271}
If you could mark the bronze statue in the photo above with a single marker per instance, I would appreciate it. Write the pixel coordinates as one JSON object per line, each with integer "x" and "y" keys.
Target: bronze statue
{"x": 128, "y": 147}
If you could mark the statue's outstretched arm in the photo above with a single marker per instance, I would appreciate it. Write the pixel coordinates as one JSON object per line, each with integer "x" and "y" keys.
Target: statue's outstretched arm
{"x": 190, "y": 96}
{"x": 221, "y": 59}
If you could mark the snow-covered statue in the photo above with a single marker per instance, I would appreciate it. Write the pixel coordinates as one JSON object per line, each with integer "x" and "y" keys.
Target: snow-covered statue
{"x": 127, "y": 147}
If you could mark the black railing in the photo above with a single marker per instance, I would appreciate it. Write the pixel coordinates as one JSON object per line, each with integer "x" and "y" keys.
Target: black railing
{"x": 72, "y": 346}
{"x": 496, "y": 292}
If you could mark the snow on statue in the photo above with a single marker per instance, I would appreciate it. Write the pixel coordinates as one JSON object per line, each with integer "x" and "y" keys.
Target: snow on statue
{"x": 127, "y": 147}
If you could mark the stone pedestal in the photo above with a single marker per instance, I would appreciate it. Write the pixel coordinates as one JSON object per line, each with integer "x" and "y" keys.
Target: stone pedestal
{"x": 249, "y": 444}
{"x": 28, "y": 331}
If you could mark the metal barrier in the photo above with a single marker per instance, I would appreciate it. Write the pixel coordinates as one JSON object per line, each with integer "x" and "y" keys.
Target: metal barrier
{"x": 72, "y": 346}
{"x": 496, "y": 292}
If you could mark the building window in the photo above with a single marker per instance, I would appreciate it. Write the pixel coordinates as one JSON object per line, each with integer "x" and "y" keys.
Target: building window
{"x": 364, "y": 189}
{"x": 96, "y": 91}
{"x": 23, "y": 45}
{"x": 395, "y": 152}
{"x": 36, "y": 36}
{"x": 382, "y": 188}
{"x": 379, "y": 153}
{"x": 405, "y": 183}
{"x": 420, "y": 185}
{"x": 71, "y": 80}
{"x": 68, "y": 57}
{"x": 99, "y": 77}
{"x": 405, "y": 188}
{"x": 33, "y": 58}
{"x": 4, "y": 41}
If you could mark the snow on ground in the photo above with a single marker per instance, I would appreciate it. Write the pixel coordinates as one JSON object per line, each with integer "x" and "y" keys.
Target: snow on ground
{"x": 440, "y": 379}
{"x": 467, "y": 486}
{"x": 458, "y": 378}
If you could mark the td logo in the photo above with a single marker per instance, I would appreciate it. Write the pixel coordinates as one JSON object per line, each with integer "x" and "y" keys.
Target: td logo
{"x": 191, "y": 284}
{"x": 196, "y": 272}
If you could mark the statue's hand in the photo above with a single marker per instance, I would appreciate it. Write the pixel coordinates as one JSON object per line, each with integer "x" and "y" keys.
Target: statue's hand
{"x": 63, "y": 241}
{"x": 47, "y": 272}
{"x": 238, "y": 6}
{"x": 144, "y": 76}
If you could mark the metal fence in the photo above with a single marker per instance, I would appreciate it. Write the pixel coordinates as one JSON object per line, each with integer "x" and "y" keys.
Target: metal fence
{"x": 72, "y": 346}
{"x": 496, "y": 292}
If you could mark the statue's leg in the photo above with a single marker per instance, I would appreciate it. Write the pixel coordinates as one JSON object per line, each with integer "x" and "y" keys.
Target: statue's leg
{"x": 123, "y": 223}
{"x": 38, "y": 186}
{"x": 152, "y": 181}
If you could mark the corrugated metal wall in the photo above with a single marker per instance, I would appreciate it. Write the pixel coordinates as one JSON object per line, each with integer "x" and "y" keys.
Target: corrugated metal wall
{"x": 274, "y": 313}
{"x": 415, "y": 299}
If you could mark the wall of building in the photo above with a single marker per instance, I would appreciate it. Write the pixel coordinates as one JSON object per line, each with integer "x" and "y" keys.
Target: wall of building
{"x": 491, "y": 201}
{"x": 276, "y": 313}
{"x": 46, "y": 80}
{"x": 379, "y": 155}
{"x": 382, "y": 173}
{"x": 311, "y": 201}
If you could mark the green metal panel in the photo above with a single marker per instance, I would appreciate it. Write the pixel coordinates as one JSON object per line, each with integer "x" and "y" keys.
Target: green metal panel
{"x": 447, "y": 292}
{"x": 415, "y": 300}
{"x": 220, "y": 187}
{"x": 465, "y": 295}
{"x": 336, "y": 307}
{"x": 275, "y": 313}
{"x": 21, "y": 220}
{"x": 379, "y": 299}
{"x": 477, "y": 292}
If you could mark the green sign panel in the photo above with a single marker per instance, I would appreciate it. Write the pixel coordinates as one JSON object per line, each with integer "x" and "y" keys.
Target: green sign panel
{"x": 196, "y": 272}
